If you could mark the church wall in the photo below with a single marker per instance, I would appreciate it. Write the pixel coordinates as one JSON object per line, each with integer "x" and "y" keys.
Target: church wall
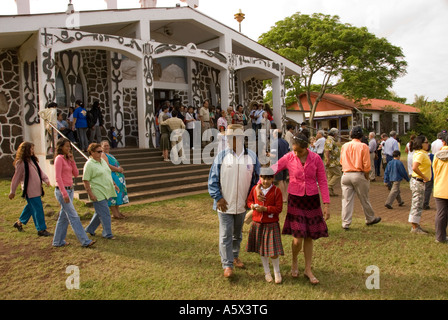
{"x": 11, "y": 113}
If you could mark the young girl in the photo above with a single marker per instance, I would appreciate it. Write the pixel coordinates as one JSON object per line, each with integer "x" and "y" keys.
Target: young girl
{"x": 264, "y": 234}
{"x": 31, "y": 176}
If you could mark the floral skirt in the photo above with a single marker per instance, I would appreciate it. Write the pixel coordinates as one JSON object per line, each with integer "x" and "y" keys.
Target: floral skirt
{"x": 304, "y": 218}
{"x": 265, "y": 239}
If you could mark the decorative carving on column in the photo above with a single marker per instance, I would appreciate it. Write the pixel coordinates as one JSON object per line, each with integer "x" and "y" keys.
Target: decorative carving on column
{"x": 116, "y": 79}
{"x": 282, "y": 96}
{"x": 48, "y": 68}
{"x": 30, "y": 92}
{"x": 150, "y": 120}
{"x": 71, "y": 63}
{"x": 232, "y": 88}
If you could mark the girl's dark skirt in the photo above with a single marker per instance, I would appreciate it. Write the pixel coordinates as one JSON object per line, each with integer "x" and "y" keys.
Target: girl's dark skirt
{"x": 265, "y": 239}
{"x": 304, "y": 218}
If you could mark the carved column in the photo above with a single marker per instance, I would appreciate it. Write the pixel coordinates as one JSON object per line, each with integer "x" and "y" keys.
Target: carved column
{"x": 278, "y": 99}
{"x": 46, "y": 75}
{"x": 116, "y": 96}
{"x": 145, "y": 99}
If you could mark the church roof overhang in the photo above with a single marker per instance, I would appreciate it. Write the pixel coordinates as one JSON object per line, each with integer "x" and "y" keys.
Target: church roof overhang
{"x": 178, "y": 26}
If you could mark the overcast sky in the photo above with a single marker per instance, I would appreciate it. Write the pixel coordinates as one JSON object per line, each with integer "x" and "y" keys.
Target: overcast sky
{"x": 419, "y": 27}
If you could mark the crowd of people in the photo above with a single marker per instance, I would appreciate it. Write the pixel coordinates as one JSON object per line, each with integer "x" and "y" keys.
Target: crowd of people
{"x": 314, "y": 166}
{"x": 209, "y": 117}
{"x": 303, "y": 174}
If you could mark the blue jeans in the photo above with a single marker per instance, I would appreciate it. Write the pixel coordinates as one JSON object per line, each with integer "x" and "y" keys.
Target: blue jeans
{"x": 101, "y": 216}
{"x": 230, "y": 236}
{"x": 34, "y": 209}
{"x": 68, "y": 215}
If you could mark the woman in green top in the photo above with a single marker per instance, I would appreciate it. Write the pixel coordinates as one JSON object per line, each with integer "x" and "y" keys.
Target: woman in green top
{"x": 99, "y": 185}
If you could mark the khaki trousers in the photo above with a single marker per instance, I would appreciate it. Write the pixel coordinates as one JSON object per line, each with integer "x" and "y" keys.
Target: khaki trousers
{"x": 394, "y": 193}
{"x": 418, "y": 197}
{"x": 351, "y": 183}
{"x": 333, "y": 174}
{"x": 372, "y": 166}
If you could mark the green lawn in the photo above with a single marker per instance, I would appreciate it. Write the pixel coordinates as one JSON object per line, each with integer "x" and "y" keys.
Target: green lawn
{"x": 169, "y": 251}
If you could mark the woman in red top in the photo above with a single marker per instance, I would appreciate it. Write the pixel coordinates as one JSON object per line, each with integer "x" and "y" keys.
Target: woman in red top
{"x": 264, "y": 234}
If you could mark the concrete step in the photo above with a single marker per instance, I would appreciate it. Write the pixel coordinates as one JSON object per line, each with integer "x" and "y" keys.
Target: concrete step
{"x": 162, "y": 193}
{"x": 149, "y": 178}
{"x": 178, "y": 182}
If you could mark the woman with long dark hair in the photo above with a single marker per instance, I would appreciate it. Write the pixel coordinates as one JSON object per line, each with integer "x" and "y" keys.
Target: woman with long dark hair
{"x": 65, "y": 169}
{"x": 421, "y": 167}
{"x": 31, "y": 176}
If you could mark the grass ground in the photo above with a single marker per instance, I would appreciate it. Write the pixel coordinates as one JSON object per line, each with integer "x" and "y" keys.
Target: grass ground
{"x": 169, "y": 251}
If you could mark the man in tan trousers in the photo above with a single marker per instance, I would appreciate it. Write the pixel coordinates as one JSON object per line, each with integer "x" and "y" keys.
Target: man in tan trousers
{"x": 177, "y": 127}
{"x": 355, "y": 161}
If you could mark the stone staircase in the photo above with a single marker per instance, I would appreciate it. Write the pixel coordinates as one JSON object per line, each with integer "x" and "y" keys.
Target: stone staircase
{"x": 149, "y": 178}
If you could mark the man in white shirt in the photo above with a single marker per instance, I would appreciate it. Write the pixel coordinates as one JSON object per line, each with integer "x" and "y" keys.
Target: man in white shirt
{"x": 320, "y": 143}
{"x": 234, "y": 172}
{"x": 289, "y": 135}
{"x": 372, "y": 150}
{"x": 437, "y": 144}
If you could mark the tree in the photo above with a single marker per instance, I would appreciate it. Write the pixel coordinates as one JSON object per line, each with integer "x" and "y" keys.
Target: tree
{"x": 433, "y": 116}
{"x": 350, "y": 60}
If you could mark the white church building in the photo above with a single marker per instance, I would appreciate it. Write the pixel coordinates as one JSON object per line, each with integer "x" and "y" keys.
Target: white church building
{"x": 130, "y": 60}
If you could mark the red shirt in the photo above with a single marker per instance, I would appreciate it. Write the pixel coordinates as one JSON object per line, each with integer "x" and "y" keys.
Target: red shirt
{"x": 273, "y": 202}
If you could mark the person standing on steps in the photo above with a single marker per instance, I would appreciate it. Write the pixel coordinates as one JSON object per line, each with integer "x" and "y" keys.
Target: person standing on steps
{"x": 80, "y": 125}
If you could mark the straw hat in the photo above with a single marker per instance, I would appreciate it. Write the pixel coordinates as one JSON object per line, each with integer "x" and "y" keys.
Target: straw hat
{"x": 235, "y": 130}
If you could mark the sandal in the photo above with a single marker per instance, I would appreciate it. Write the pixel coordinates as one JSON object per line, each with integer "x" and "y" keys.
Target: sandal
{"x": 312, "y": 280}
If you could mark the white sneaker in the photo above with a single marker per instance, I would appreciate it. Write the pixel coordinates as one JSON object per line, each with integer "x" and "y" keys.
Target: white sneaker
{"x": 418, "y": 230}
{"x": 278, "y": 277}
{"x": 268, "y": 277}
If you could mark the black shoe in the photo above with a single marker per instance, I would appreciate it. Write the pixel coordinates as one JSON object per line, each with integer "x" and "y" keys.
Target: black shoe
{"x": 401, "y": 204}
{"x": 388, "y": 206}
{"x": 44, "y": 233}
{"x": 18, "y": 226}
{"x": 426, "y": 207}
{"x": 375, "y": 221}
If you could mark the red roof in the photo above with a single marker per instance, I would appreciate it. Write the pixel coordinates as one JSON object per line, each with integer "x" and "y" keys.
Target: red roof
{"x": 332, "y": 101}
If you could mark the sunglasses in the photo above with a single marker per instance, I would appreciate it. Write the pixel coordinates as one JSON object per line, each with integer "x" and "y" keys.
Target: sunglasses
{"x": 99, "y": 151}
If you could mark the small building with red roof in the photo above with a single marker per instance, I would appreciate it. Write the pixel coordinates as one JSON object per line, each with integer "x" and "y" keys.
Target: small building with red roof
{"x": 337, "y": 111}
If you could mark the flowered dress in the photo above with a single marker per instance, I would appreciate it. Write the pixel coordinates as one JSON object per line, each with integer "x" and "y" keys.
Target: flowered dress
{"x": 118, "y": 177}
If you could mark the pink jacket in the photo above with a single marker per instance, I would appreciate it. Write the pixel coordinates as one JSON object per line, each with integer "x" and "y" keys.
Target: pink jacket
{"x": 65, "y": 170}
{"x": 305, "y": 179}
{"x": 34, "y": 184}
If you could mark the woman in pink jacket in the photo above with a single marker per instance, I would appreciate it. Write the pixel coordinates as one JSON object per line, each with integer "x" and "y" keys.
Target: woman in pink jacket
{"x": 31, "y": 176}
{"x": 305, "y": 220}
{"x": 65, "y": 169}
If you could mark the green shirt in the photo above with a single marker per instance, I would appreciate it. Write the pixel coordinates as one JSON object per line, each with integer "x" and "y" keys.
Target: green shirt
{"x": 335, "y": 152}
{"x": 100, "y": 178}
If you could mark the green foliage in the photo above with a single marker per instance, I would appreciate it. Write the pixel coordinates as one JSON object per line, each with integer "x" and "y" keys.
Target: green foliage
{"x": 433, "y": 117}
{"x": 352, "y": 61}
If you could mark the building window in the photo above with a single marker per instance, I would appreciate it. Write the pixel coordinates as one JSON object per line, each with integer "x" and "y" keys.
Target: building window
{"x": 61, "y": 94}
{"x": 406, "y": 127}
